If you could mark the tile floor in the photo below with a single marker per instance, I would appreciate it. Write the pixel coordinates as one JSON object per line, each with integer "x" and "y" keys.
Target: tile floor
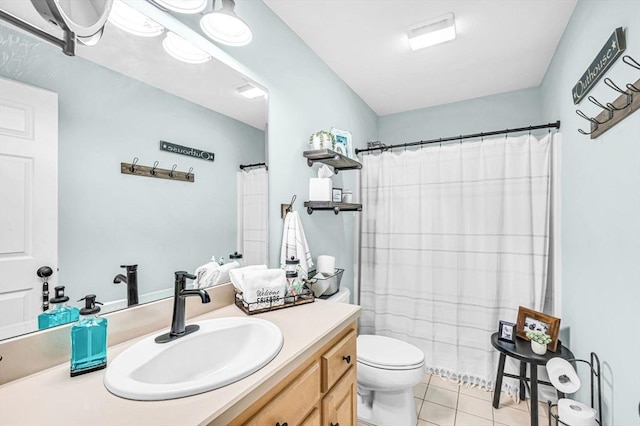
{"x": 444, "y": 403}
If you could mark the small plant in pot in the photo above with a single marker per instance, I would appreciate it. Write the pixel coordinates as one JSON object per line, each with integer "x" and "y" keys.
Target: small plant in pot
{"x": 322, "y": 140}
{"x": 539, "y": 341}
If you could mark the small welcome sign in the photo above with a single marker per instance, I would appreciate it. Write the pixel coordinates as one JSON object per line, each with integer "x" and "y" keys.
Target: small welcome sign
{"x": 611, "y": 50}
{"x": 185, "y": 150}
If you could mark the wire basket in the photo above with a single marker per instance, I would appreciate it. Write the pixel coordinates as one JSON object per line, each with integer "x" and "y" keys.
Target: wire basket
{"x": 251, "y": 308}
{"x": 330, "y": 283}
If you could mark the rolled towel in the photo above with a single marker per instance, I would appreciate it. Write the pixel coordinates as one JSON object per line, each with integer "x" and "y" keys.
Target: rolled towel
{"x": 237, "y": 275}
{"x": 264, "y": 288}
{"x": 206, "y": 275}
{"x": 223, "y": 270}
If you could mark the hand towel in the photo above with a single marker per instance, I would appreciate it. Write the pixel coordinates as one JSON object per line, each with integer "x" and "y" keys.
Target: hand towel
{"x": 237, "y": 275}
{"x": 264, "y": 288}
{"x": 206, "y": 275}
{"x": 294, "y": 243}
{"x": 223, "y": 272}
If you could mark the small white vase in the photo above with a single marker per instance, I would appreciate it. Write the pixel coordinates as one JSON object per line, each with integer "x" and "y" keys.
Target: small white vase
{"x": 538, "y": 348}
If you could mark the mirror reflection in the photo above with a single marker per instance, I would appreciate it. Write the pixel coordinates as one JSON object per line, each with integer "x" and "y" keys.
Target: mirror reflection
{"x": 114, "y": 102}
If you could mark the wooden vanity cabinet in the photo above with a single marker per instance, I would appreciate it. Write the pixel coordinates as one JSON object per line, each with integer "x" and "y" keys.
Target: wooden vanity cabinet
{"x": 321, "y": 392}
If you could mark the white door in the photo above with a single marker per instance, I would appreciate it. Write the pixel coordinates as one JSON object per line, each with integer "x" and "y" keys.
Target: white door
{"x": 28, "y": 202}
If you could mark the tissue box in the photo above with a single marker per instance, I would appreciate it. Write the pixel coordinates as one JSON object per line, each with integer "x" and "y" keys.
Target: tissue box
{"x": 320, "y": 189}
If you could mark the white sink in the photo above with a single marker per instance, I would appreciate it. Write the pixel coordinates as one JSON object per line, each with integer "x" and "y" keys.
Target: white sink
{"x": 223, "y": 351}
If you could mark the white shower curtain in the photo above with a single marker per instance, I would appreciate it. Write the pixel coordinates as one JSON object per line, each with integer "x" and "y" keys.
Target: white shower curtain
{"x": 454, "y": 239}
{"x": 252, "y": 186}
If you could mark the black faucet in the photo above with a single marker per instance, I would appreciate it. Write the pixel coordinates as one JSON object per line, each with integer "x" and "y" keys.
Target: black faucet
{"x": 131, "y": 280}
{"x": 178, "y": 328}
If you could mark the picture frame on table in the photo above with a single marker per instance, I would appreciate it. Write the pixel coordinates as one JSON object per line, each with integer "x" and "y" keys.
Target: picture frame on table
{"x": 336, "y": 195}
{"x": 530, "y": 320}
{"x": 344, "y": 144}
{"x": 507, "y": 332}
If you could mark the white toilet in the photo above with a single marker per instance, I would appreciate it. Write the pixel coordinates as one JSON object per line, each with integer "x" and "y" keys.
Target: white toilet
{"x": 388, "y": 369}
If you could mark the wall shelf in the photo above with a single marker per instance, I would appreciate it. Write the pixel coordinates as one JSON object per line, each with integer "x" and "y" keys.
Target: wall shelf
{"x": 330, "y": 205}
{"x": 331, "y": 158}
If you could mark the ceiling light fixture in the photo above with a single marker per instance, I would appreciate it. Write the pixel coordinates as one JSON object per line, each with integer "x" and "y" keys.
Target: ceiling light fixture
{"x": 224, "y": 26}
{"x": 130, "y": 20}
{"x": 250, "y": 91}
{"x": 182, "y": 6}
{"x": 434, "y": 31}
{"x": 184, "y": 50}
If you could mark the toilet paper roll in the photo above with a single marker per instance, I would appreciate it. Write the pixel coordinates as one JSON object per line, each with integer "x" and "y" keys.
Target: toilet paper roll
{"x": 320, "y": 286}
{"x": 562, "y": 375}
{"x": 326, "y": 264}
{"x": 575, "y": 413}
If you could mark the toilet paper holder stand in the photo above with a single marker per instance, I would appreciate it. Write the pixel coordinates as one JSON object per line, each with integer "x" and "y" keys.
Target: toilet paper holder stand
{"x": 596, "y": 387}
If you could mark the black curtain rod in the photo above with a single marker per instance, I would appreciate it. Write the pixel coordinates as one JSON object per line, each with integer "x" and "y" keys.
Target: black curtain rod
{"x": 555, "y": 125}
{"x": 245, "y": 166}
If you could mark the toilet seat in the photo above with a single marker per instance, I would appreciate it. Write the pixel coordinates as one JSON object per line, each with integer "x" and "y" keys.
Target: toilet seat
{"x": 388, "y": 353}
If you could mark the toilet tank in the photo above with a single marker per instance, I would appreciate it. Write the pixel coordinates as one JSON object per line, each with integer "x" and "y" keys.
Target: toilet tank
{"x": 342, "y": 296}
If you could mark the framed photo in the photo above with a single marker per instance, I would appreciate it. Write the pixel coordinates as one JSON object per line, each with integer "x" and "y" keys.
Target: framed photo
{"x": 343, "y": 142}
{"x": 336, "y": 195}
{"x": 530, "y": 320}
{"x": 507, "y": 332}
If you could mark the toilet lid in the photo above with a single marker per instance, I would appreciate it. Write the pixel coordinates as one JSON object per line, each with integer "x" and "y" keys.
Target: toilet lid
{"x": 386, "y": 352}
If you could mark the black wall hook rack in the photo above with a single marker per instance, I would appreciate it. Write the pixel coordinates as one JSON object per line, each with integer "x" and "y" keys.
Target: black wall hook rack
{"x": 154, "y": 172}
{"x": 614, "y": 112}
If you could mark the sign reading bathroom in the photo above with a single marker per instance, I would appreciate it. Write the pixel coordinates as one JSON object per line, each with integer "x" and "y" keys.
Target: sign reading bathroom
{"x": 185, "y": 150}
{"x": 611, "y": 51}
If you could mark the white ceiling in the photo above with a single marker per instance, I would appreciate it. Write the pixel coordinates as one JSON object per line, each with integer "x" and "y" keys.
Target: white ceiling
{"x": 501, "y": 46}
{"x": 211, "y": 85}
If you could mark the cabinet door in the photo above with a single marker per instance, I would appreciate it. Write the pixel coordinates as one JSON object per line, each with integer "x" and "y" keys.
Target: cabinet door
{"x": 337, "y": 360}
{"x": 312, "y": 419}
{"x": 294, "y": 402}
{"x": 339, "y": 405}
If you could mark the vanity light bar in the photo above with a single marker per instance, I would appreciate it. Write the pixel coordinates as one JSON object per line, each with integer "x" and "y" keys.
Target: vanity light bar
{"x": 132, "y": 21}
{"x": 182, "y": 6}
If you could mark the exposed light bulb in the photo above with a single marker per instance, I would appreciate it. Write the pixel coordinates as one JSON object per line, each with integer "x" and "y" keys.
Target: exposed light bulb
{"x": 184, "y": 50}
{"x": 225, "y": 27}
{"x": 130, "y": 20}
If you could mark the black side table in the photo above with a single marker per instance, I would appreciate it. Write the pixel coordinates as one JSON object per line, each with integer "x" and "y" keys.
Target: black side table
{"x": 521, "y": 350}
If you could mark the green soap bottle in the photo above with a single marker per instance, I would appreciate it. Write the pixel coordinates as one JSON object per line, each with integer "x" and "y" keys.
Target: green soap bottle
{"x": 89, "y": 339}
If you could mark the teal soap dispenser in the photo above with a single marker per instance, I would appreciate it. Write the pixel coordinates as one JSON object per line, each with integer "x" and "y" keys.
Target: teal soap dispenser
{"x": 59, "y": 313}
{"x": 89, "y": 339}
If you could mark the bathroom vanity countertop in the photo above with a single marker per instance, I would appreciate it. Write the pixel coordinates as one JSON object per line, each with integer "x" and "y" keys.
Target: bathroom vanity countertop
{"x": 51, "y": 397}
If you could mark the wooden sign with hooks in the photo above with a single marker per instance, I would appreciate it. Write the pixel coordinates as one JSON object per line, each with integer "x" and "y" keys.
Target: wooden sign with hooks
{"x": 155, "y": 172}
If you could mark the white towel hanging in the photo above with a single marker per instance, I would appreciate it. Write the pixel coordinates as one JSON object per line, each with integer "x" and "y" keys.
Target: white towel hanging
{"x": 294, "y": 243}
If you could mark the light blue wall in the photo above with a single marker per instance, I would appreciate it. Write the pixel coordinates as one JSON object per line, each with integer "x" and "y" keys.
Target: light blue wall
{"x": 600, "y": 207}
{"x": 304, "y": 96}
{"x": 514, "y": 109}
{"x": 106, "y": 218}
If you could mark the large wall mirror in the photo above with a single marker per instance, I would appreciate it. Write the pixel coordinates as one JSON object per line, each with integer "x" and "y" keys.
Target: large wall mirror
{"x": 116, "y": 101}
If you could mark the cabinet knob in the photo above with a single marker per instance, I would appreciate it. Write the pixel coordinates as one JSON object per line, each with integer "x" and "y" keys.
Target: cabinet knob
{"x": 334, "y": 424}
{"x": 282, "y": 424}
{"x": 347, "y": 358}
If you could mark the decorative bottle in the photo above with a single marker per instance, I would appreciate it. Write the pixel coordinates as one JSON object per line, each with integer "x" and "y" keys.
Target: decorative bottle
{"x": 59, "y": 313}
{"x": 89, "y": 339}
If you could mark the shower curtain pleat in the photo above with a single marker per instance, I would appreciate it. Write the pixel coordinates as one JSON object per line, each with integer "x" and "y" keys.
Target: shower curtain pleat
{"x": 454, "y": 239}
{"x": 252, "y": 188}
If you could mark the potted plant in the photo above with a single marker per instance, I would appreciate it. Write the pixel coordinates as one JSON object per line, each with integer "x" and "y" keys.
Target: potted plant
{"x": 539, "y": 341}
{"x": 322, "y": 140}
